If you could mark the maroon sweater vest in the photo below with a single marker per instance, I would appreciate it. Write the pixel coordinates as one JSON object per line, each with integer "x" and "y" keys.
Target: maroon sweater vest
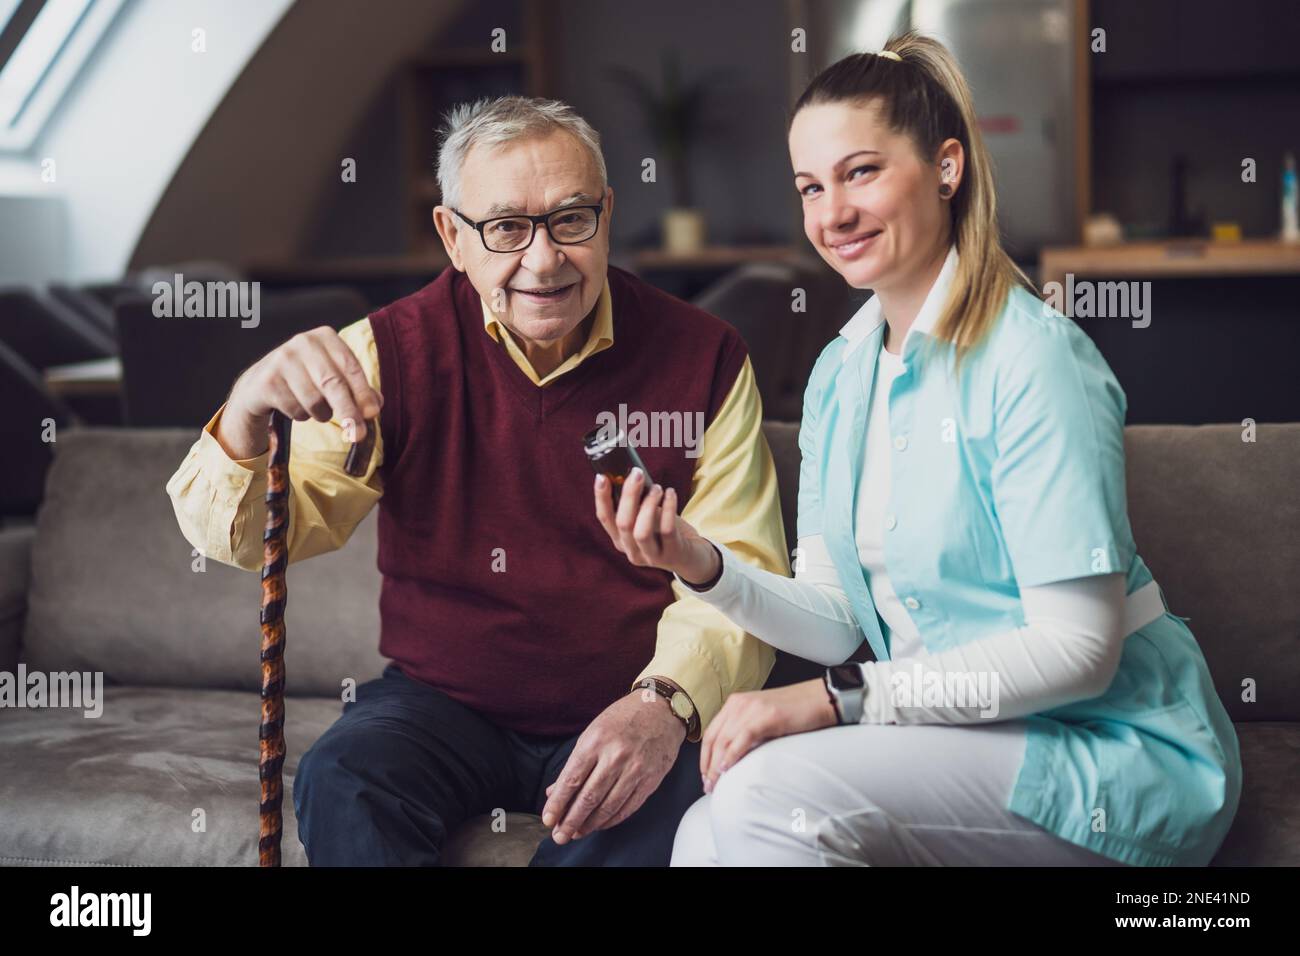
{"x": 500, "y": 587}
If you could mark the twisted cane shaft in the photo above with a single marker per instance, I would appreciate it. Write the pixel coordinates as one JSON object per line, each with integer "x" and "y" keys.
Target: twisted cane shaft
{"x": 275, "y": 558}
{"x": 275, "y": 554}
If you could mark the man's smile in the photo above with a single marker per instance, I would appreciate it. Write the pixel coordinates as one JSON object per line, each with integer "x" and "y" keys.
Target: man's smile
{"x": 547, "y": 293}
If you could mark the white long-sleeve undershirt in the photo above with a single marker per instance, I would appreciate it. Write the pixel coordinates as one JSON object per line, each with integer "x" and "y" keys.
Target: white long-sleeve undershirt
{"x": 1067, "y": 650}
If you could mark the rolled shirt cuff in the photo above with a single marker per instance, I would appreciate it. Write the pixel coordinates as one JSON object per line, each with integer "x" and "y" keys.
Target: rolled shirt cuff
{"x": 215, "y": 457}
{"x": 694, "y": 673}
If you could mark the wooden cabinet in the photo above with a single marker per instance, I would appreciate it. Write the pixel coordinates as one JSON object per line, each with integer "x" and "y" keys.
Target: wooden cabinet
{"x": 431, "y": 85}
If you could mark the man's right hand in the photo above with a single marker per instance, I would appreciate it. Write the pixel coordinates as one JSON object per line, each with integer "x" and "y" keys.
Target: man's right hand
{"x": 313, "y": 375}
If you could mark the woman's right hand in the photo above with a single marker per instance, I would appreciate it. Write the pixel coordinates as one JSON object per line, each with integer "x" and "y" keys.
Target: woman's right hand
{"x": 313, "y": 375}
{"x": 651, "y": 533}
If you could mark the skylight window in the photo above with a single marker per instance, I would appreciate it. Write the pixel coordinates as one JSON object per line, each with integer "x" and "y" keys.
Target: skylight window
{"x": 7, "y": 8}
{"x": 43, "y": 43}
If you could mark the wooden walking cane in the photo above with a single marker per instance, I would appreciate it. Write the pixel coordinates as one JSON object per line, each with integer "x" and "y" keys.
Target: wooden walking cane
{"x": 275, "y": 558}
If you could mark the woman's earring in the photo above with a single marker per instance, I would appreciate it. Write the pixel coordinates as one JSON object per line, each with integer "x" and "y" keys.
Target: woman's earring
{"x": 948, "y": 172}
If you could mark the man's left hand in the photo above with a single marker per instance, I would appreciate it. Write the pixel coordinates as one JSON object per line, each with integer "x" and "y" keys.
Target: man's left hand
{"x": 620, "y": 759}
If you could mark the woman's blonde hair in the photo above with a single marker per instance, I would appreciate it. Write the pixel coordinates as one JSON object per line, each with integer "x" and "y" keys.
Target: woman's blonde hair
{"x": 924, "y": 95}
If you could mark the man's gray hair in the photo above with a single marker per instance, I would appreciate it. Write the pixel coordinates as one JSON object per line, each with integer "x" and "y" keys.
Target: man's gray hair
{"x": 493, "y": 122}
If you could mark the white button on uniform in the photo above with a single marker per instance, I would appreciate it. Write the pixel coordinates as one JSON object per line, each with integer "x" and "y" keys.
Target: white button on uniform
{"x": 912, "y": 603}
{"x": 900, "y": 442}
{"x": 890, "y": 522}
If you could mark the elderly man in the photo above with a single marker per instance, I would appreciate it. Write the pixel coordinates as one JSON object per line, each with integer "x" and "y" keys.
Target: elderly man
{"x": 533, "y": 668}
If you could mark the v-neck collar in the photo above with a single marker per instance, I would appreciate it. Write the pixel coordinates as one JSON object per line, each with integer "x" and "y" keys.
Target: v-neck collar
{"x": 543, "y": 400}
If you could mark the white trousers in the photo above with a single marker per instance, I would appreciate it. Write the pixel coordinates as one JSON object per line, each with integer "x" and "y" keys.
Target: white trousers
{"x": 874, "y": 795}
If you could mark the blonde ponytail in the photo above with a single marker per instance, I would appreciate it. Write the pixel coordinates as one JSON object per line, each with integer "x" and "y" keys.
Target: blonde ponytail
{"x": 924, "y": 95}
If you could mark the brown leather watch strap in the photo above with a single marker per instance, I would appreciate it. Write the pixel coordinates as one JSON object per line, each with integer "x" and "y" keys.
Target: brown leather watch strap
{"x": 666, "y": 689}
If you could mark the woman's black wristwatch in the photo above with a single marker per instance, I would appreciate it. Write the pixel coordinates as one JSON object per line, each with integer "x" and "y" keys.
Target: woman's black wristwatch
{"x": 846, "y": 686}
{"x": 707, "y": 585}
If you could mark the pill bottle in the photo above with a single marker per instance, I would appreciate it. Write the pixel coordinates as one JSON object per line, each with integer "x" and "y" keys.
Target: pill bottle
{"x": 610, "y": 455}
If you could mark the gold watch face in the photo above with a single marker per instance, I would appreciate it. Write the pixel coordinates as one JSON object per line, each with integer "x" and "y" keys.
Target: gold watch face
{"x": 681, "y": 705}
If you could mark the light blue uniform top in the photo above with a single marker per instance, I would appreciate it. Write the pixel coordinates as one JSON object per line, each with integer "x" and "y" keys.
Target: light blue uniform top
{"x": 1011, "y": 475}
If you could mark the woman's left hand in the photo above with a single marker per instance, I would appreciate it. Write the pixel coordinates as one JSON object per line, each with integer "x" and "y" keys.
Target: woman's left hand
{"x": 750, "y": 718}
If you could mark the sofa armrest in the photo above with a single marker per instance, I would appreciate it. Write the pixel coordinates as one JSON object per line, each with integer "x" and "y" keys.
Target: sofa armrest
{"x": 15, "y": 575}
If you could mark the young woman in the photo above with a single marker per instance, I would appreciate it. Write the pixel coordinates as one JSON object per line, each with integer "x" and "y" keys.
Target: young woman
{"x": 962, "y": 506}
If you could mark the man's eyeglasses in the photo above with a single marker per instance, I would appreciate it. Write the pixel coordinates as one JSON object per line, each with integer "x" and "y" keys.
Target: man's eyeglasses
{"x": 566, "y": 226}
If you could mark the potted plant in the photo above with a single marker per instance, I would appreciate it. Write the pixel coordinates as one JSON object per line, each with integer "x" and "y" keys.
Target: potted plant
{"x": 673, "y": 119}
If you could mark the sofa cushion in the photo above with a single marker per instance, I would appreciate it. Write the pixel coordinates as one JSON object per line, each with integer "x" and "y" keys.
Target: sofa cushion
{"x": 783, "y": 439}
{"x": 123, "y": 788}
{"x": 1266, "y": 831}
{"x": 783, "y": 344}
{"x": 1217, "y": 520}
{"x": 477, "y": 843}
{"x": 113, "y": 590}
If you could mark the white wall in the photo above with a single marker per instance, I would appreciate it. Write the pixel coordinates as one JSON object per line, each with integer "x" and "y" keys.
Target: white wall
{"x": 256, "y": 178}
{"x": 120, "y": 134}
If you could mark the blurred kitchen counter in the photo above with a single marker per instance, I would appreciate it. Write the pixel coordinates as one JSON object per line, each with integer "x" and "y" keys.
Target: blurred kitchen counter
{"x": 1171, "y": 257}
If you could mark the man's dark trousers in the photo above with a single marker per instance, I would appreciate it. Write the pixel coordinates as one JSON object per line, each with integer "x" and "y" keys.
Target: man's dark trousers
{"x": 406, "y": 764}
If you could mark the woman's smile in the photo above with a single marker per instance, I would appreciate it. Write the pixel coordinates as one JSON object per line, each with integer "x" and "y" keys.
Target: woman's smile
{"x": 855, "y": 246}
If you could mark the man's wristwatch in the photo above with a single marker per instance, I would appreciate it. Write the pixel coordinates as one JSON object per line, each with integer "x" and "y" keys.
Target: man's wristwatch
{"x": 846, "y": 685}
{"x": 678, "y": 702}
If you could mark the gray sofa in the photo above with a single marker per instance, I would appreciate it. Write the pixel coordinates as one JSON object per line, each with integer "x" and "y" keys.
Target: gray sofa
{"x": 168, "y": 774}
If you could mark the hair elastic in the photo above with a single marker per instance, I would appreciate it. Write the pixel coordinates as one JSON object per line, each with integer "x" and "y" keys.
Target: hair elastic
{"x": 891, "y": 55}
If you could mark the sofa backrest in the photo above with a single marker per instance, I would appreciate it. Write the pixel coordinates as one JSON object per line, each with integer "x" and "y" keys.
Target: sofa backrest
{"x": 113, "y": 585}
{"x": 1215, "y": 518}
{"x": 783, "y": 346}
